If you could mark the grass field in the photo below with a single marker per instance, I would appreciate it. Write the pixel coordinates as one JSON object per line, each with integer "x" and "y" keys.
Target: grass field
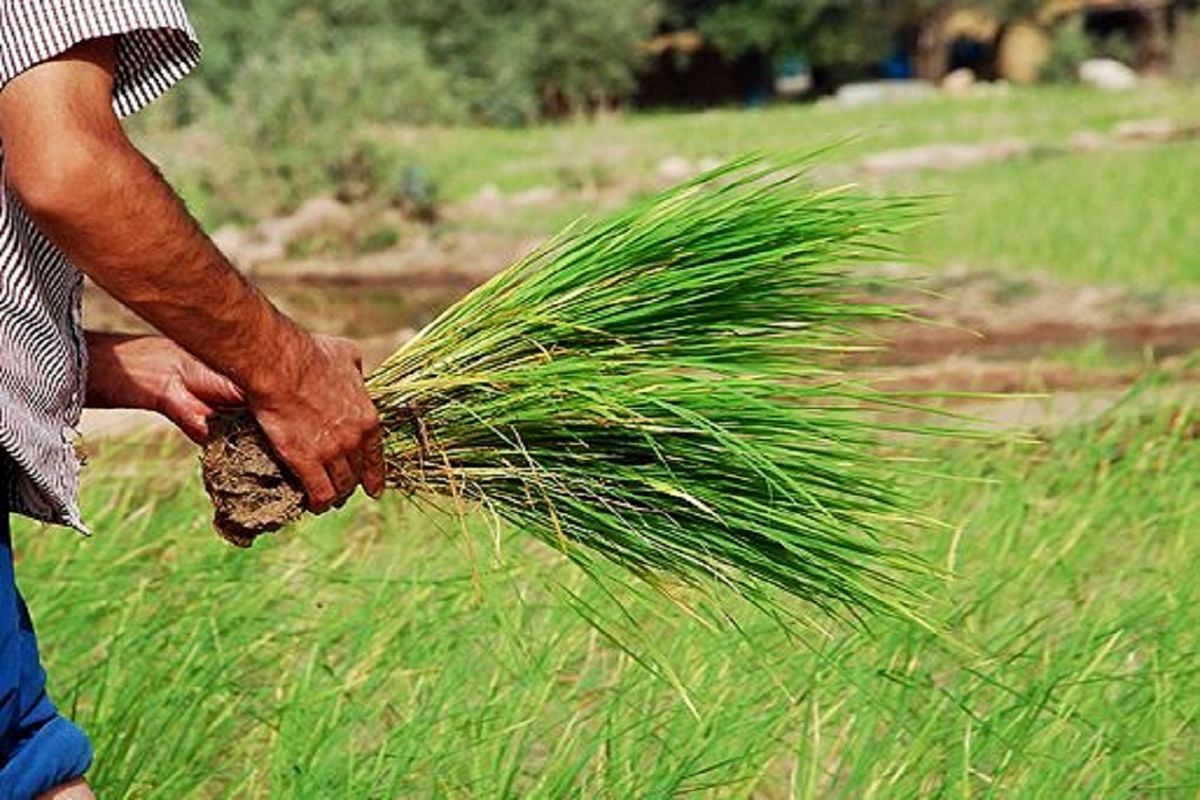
{"x": 380, "y": 653}
{"x": 358, "y": 656}
{"x": 464, "y": 159}
{"x": 1123, "y": 217}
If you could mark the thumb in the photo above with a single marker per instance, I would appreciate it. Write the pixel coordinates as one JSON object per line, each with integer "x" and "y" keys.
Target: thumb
{"x": 210, "y": 387}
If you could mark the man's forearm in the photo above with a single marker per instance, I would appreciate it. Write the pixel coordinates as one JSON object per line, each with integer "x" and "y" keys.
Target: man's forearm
{"x": 129, "y": 232}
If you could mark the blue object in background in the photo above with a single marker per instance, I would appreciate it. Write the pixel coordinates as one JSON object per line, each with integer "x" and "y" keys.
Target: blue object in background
{"x": 898, "y": 66}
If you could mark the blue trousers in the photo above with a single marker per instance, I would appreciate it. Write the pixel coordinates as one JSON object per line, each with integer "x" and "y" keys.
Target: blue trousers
{"x": 39, "y": 749}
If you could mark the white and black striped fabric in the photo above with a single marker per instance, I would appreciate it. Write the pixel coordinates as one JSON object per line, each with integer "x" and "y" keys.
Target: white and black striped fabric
{"x": 43, "y": 360}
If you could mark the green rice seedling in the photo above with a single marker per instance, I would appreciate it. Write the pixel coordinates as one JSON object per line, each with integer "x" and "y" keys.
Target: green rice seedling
{"x": 665, "y": 389}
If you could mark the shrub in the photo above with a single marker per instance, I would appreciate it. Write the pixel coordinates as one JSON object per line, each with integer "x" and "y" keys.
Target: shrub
{"x": 1069, "y": 47}
{"x": 302, "y": 106}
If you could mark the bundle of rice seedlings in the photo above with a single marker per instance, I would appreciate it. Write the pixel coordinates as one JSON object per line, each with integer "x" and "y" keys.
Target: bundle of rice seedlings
{"x": 663, "y": 389}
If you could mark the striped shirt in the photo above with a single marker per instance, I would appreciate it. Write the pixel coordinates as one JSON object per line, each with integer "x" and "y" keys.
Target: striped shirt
{"x": 43, "y": 358}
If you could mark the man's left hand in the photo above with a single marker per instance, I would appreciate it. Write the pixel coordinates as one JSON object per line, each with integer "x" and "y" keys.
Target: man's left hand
{"x": 155, "y": 374}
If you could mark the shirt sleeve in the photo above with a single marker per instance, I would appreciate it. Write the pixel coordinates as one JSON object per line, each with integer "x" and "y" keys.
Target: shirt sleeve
{"x": 156, "y": 44}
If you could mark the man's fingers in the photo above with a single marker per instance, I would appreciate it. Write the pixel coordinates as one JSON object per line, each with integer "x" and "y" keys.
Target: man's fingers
{"x": 195, "y": 428}
{"x": 189, "y": 414}
{"x": 212, "y": 387}
{"x": 346, "y": 449}
{"x": 317, "y": 487}
{"x": 195, "y": 424}
{"x": 342, "y": 476}
{"x": 373, "y": 471}
{"x": 356, "y": 355}
{"x": 355, "y": 460}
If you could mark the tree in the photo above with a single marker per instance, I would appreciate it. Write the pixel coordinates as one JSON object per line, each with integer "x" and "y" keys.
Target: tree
{"x": 507, "y": 61}
{"x": 588, "y": 53}
{"x": 822, "y": 31}
{"x": 831, "y": 32}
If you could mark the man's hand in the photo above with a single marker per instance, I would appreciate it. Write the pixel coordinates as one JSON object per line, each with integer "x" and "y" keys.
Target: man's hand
{"x": 155, "y": 374}
{"x": 317, "y": 416}
{"x": 321, "y": 422}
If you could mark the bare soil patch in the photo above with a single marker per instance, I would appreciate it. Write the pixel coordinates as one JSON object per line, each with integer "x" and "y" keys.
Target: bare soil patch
{"x": 997, "y": 317}
{"x": 971, "y": 331}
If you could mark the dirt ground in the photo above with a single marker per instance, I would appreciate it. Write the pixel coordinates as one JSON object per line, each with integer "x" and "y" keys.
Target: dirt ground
{"x": 970, "y": 332}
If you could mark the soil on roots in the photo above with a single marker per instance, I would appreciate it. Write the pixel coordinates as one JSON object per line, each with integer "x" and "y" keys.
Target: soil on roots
{"x": 252, "y": 493}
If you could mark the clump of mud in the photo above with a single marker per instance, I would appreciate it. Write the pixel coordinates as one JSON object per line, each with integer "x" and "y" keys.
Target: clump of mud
{"x": 252, "y": 493}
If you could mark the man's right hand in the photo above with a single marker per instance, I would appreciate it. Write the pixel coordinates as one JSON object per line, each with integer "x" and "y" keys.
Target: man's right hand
{"x": 313, "y": 407}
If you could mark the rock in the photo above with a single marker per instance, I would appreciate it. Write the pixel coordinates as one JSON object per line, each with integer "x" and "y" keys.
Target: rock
{"x": 1155, "y": 131}
{"x": 959, "y": 82}
{"x": 229, "y": 239}
{"x": 853, "y": 95}
{"x": 674, "y": 169}
{"x": 1087, "y": 141}
{"x": 536, "y": 196}
{"x": 943, "y": 157}
{"x": 269, "y": 240}
{"x": 247, "y": 249}
{"x": 795, "y": 85}
{"x": 1107, "y": 74}
{"x": 489, "y": 200}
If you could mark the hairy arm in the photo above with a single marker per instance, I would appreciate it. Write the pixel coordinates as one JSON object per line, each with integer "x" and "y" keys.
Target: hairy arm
{"x": 105, "y": 205}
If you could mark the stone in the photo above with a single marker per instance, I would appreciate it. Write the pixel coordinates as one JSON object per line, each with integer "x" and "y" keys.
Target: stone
{"x": 1088, "y": 142}
{"x": 319, "y": 215}
{"x": 1107, "y": 74}
{"x": 489, "y": 200}
{"x": 535, "y": 196}
{"x": 959, "y": 82}
{"x": 945, "y": 157}
{"x": 867, "y": 93}
{"x": 247, "y": 249}
{"x": 1154, "y": 131}
{"x": 674, "y": 169}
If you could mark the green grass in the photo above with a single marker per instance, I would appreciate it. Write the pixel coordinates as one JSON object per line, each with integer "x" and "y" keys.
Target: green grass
{"x": 631, "y": 145}
{"x": 1123, "y": 217}
{"x": 1107, "y": 217}
{"x": 369, "y": 654}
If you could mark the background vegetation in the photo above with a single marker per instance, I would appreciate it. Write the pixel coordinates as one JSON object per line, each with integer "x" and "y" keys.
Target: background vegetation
{"x": 296, "y": 98}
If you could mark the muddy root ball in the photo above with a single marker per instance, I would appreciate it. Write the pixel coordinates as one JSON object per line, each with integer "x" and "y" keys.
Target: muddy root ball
{"x": 252, "y": 493}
